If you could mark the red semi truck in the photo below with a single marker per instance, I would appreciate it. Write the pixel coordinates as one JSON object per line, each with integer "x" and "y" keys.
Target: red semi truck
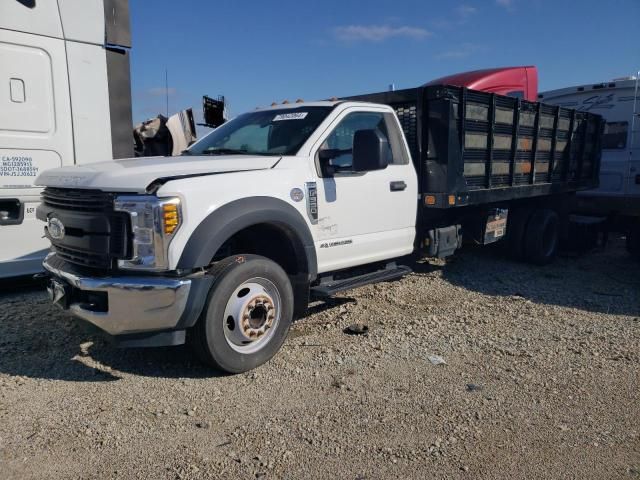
{"x": 518, "y": 82}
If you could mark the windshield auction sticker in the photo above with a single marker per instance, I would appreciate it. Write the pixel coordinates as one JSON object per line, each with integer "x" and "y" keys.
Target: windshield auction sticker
{"x": 290, "y": 116}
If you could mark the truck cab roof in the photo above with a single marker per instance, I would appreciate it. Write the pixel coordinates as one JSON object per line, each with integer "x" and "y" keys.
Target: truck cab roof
{"x": 324, "y": 103}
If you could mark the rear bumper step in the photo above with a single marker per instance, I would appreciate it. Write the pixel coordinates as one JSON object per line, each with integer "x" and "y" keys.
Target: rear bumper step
{"x": 331, "y": 287}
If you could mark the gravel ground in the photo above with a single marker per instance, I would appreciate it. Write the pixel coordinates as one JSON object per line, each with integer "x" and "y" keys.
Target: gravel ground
{"x": 541, "y": 381}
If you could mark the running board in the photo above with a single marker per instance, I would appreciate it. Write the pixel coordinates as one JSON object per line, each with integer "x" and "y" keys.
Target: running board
{"x": 330, "y": 287}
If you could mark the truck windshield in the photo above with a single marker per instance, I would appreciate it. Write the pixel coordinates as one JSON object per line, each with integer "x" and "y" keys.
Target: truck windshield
{"x": 265, "y": 132}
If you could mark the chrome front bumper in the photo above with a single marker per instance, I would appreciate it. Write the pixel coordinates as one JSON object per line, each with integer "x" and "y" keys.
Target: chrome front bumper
{"x": 134, "y": 304}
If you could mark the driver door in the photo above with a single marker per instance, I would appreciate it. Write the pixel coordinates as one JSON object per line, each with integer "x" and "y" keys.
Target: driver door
{"x": 367, "y": 216}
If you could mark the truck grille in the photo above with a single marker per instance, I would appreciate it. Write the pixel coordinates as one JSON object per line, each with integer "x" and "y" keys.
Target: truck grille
{"x": 85, "y": 259}
{"x": 95, "y": 234}
{"x": 77, "y": 200}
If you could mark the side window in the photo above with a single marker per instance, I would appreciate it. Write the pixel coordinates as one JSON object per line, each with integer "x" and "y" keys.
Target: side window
{"x": 615, "y": 135}
{"x": 342, "y": 136}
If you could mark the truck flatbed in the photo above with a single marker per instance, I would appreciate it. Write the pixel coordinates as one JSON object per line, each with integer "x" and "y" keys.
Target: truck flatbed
{"x": 472, "y": 148}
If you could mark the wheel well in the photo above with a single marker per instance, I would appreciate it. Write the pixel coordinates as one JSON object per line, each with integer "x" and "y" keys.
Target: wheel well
{"x": 273, "y": 241}
{"x": 278, "y": 243}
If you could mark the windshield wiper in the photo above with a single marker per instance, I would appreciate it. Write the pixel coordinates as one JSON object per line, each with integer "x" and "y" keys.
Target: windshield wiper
{"x": 225, "y": 151}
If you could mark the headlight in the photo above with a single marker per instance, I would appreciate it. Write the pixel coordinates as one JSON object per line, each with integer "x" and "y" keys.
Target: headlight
{"x": 154, "y": 222}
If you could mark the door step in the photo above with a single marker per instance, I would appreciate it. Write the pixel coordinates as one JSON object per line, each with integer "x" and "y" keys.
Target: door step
{"x": 329, "y": 287}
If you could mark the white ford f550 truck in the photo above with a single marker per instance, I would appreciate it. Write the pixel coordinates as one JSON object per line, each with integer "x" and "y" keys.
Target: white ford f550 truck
{"x": 225, "y": 245}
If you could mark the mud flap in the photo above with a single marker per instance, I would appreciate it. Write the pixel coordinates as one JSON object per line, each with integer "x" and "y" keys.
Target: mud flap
{"x": 443, "y": 242}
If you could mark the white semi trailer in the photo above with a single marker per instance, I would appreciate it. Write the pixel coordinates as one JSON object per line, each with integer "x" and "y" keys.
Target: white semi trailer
{"x": 65, "y": 99}
{"x": 618, "y": 195}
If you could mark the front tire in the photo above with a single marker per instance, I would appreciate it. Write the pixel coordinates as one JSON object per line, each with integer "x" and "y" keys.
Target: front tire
{"x": 247, "y": 315}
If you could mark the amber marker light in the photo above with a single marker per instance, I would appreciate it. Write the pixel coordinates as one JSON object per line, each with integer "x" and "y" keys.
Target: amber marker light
{"x": 170, "y": 217}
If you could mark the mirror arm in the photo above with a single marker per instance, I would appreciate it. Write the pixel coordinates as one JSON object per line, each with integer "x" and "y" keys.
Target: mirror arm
{"x": 325, "y": 156}
{"x": 331, "y": 153}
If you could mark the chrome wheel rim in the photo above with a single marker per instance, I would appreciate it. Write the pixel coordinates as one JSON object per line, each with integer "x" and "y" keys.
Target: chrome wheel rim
{"x": 252, "y": 315}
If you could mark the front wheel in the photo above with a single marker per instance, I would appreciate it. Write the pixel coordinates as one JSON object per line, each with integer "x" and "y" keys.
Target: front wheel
{"x": 247, "y": 315}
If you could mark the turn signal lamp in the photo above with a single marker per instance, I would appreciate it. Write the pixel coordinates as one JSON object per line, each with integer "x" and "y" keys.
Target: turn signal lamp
{"x": 430, "y": 200}
{"x": 170, "y": 217}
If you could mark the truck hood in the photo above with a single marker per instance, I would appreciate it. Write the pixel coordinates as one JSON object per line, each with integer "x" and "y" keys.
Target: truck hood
{"x": 138, "y": 174}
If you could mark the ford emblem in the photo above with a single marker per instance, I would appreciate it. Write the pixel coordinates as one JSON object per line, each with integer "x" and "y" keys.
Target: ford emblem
{"x": 55, "y": 228}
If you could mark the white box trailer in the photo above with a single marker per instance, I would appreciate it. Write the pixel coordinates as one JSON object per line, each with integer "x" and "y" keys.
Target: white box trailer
{"x": 65, "y": 98}
{"x": 618, "y": 195}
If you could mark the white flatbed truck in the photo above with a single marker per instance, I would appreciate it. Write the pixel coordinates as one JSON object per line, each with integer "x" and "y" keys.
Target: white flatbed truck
{"x": 279, "y": 205}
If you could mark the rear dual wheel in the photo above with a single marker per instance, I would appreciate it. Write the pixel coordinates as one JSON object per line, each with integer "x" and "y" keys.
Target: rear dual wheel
{"x": 516, "y": 229}
{"x": 247, "y": 315}
{"x": 533, "y": 236}
{"x": 542, "y": 237}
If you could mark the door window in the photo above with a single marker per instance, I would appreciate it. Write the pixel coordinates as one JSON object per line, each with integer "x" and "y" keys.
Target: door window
{"x": 342, "y": 136}
{"x": 615, "y": 135}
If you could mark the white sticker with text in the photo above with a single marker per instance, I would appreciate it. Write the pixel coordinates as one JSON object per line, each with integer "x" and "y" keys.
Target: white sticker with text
{"x": 290, "y": 116}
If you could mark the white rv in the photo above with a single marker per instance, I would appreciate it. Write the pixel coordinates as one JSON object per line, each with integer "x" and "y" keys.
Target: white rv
{"x": 64, "y": 96}
{"x": 618, "y": 195}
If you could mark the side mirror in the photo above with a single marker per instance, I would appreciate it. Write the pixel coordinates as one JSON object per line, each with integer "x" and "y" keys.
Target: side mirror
{"x": 371, "y": 151}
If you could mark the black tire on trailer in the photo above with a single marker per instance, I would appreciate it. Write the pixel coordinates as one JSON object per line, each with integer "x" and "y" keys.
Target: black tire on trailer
{"x": 633, "y": 240}
{"x": 247, "y": 315}
{"x": 542, "y": 237}
{"x": 516, "y": 227}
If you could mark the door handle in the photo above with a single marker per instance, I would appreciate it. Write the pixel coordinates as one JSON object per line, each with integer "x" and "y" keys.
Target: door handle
{"x": 397, "y": 186}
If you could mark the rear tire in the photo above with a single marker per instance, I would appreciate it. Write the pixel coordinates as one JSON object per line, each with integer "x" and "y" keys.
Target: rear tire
{"x": 516, "y": 228}
{"x": 542, "y": 237}
{"x": 247, "y": 315}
